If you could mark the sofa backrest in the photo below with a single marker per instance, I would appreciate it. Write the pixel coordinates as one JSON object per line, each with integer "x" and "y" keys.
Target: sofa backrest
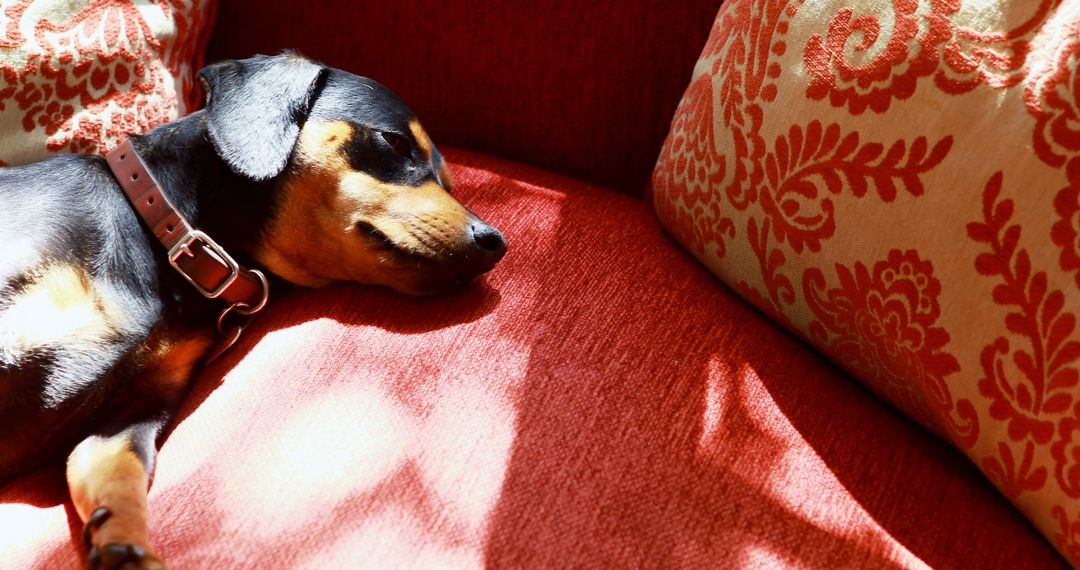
{"x": 586, "y": 89}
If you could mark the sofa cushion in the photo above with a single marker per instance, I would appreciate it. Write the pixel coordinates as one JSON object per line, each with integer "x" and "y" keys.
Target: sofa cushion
{"x": 585, "y": 89}
{"x": 900, "y": 184}
{"x": 598, "y": 401}
{"x": 79, "y": 76}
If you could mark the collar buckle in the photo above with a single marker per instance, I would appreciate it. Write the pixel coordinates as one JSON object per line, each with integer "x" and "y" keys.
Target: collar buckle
{"x": 210, "y": 247}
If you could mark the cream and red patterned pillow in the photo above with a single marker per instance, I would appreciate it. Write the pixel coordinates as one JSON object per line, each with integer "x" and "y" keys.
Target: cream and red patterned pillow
{"x": 77, "y": 76}
{"x": 899, "y": 183}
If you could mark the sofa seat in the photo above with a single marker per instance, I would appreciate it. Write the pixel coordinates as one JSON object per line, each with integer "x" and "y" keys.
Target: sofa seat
{"x": 600, "y": 400}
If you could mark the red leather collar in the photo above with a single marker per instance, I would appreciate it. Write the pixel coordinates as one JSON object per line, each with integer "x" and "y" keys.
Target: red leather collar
{"x": 197, "y": 257}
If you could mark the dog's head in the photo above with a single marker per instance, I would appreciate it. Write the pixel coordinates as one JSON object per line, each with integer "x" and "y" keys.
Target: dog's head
{"x": 361, "y": 192}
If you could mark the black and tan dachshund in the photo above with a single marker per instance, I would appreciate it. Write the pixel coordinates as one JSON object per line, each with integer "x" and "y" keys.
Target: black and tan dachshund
{"x": 313, "y": 173}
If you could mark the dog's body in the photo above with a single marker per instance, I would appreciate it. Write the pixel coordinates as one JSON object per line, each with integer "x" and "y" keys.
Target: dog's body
{"x": 316, "y": 174}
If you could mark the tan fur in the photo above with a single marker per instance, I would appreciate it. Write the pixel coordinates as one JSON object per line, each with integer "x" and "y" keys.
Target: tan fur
{"x": 313, "y": 238}
{"x": 297, "y": 244}
{"x": 446, "y": 178}
{"x": 105, "y": 472}
{"x": 60, "y": 305}
{"x": 422, "y": 138}
{"x": 169, "y": 357}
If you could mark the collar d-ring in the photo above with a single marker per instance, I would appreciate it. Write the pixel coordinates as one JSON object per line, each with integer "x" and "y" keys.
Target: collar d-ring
{"x": 245, "y": 308}
{"x": 230, "y": 335}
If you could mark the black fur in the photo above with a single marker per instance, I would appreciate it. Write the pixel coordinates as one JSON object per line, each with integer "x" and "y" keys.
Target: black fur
{"x": 77, "y": 219}
{"x": 104, "y": 393}
{"x": 377, "y": 119}
{"x": 257, "y": 107}
{"x": 217, "y": 166}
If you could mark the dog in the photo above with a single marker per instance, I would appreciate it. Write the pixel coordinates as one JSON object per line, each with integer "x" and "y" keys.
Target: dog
{"x": 311, "y": 172}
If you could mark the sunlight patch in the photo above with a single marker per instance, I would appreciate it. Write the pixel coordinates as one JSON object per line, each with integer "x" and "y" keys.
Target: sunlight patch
{"x": 348, "y": 440}
{"x": 21, "y": 530}
{"x": 393, "y": 540}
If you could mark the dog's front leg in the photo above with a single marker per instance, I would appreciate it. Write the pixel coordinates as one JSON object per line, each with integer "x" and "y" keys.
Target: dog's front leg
{"x": 108, "y": 475}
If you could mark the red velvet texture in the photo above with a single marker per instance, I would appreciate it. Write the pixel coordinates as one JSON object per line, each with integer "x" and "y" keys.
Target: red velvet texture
{"x": 598, "y": 401}
{"x": 583, "y": 88}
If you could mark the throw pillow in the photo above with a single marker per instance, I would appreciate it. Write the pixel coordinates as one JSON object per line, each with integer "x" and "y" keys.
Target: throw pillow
{"x": 899, "y": 183}
{"x": 78, "y": 76}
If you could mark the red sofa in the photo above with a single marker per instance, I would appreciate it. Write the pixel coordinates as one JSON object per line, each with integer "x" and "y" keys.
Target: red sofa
{"x": 599, "y": 401}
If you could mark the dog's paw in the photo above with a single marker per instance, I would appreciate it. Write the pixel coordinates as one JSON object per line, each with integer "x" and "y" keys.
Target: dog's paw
{"x": 115, "y": 556}
{"x": 122, "y": 557}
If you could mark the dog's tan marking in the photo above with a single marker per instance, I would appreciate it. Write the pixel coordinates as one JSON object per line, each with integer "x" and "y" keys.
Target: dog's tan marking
{"x": 168, "y": 358}
{"x": 422, "y": 138}
{"x": 298, "y": 243}
{"x": 445, "y": 177}
{"x": 106, "y": 472}
{"x": 313, "y": 238}
{"x": 320, "y": 144}
{"x": 426, "y": 148}
{"x": 60, "y": 305}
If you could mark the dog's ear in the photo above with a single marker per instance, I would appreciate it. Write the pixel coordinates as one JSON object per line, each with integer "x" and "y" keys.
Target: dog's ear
{"x": 256, "y": 108}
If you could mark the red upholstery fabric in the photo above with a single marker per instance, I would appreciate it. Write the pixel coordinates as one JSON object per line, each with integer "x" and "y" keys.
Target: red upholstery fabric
{"x": 582, "y": 88}
{"x": 600, "y": 401}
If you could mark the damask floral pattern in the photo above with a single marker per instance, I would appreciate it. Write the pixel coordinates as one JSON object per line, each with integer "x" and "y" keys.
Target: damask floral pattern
{"x": 78, "y": 77}
{"x": 1066, "y": 232}
{"x": 1052, "y": 92}
{"x": 899, "y": 182}
{"x": 910, "y": 52}
{"x": 1042, "y": 385}
{"x": 980, "y": 52}
{"x": 790, "y": 194}
{"x": 882, "y": 326}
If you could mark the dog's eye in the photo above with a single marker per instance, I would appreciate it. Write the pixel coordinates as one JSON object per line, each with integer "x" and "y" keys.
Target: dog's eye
{"x": 399, "y": 143}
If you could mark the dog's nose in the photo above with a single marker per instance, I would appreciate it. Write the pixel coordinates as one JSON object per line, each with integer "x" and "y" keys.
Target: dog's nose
{"x": 489, "y": 245}
{"x": 489, "y": 240}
